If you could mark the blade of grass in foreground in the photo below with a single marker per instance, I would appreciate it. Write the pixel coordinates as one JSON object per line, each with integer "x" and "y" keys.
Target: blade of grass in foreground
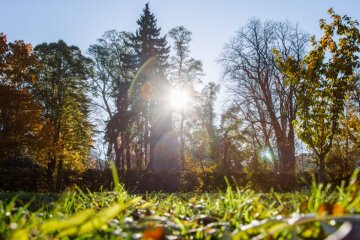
{"x": 99, "y": 219}
{"x": 84, "y": 221}
{"x": 80, "y": 223}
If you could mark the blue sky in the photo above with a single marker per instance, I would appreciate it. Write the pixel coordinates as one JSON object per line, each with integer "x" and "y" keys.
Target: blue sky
{"x": 213, "y": 22}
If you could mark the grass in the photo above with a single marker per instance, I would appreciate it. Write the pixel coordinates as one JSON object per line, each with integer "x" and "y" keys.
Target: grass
{"x": 230, "y": 214}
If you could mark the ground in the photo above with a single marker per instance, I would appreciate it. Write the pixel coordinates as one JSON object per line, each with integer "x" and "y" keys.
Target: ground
{"x": 230, "y": 214}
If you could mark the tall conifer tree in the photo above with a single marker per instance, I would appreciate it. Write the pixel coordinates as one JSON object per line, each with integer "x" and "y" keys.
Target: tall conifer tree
{"x": 152, "y": 86}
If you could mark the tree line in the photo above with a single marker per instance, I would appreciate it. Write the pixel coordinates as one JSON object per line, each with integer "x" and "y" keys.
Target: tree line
{"x": 285, "y": 89}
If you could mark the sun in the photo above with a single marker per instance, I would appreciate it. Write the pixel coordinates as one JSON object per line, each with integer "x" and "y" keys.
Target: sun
{"x": 179, "y": 99}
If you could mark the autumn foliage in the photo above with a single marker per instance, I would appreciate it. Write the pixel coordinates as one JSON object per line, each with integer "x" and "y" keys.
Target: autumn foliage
{"x": 21, "y": 124}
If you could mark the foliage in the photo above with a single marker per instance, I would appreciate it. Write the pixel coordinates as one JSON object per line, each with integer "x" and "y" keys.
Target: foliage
{"x": 21, "y": 124}
{"x": 148, "y": 44}
{"x": 344, "y": 153}
{"x": 62, "y": 89}
{"x": 236, "y": 142}
{"x": 184, "y": 72}
{"x": 325, "y": 78}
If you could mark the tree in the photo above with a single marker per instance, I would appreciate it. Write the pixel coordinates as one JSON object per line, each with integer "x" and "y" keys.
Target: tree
{"x": 119, "y": 127}
{"x": 356, "y": 94}
{"x": 235, "y": 140}
{"x": 111, "y": 83}
{"x": 21, "y": 125}
{"x": 209, "y": 94}
{"x": 185, "y": 71}
{"x": 259, "y": 89}
{"x": 152, "y": 88}
{"x": 341, "y": 159}
{"x": 325, "y": 78}
{"x": 62, "y": 89}
{"x": 111, "y": 66}
{"x": 201, "y": 135}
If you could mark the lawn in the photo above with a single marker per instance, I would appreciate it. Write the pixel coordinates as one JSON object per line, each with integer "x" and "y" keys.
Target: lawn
{"x": 234, "y": 213}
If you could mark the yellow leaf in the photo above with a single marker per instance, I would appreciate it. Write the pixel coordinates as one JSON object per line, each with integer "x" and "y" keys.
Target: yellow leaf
{"x": 20, "y": 235}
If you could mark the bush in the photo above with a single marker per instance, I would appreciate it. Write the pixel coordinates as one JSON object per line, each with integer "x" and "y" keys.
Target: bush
{"x": 23, "y": 179}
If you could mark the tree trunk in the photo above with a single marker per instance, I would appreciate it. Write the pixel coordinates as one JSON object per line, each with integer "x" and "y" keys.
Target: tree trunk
{"x": 321, "y": 169}
{"x": 286, "y": 148}
{"x": 146, "y": 132}
{"x": 59, "y": 176}
{"x": 122, "y": 147}
{"x": 285, "y": 142}
{"x": 286, "y": 158}
{"x": 225, "y": 157}
{"x": 53, "y": 158}
{"x": 138, "y": 157}
{"x": 181, "y": 133}
{"x": 287, "y": 162}
{"x": 117, "y": 157}
{"x": 50, "y": 172}
{"x": 128, "y": 164}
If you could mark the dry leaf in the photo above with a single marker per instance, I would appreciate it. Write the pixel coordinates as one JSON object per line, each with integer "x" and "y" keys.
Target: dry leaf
{"x": 154, "y": 234}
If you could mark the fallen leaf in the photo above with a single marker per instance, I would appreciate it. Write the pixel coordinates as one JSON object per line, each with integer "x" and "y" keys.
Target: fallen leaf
{"x": 337, "y": 210}
{"x": 154, "y": 234}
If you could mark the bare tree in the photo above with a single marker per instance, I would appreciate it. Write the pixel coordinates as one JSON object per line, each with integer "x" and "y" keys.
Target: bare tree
{"x": 108, "y": 55}
{"x": 258, "y": 87}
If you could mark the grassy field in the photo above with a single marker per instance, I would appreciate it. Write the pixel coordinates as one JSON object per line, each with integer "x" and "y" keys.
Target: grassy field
{"x": 231, "y": 214}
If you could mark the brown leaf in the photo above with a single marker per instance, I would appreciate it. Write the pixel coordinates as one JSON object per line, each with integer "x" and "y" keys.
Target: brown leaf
{"x": 334, "y": 209}
{"x": 154, "y": 234}
{"x": 323, "y": 209}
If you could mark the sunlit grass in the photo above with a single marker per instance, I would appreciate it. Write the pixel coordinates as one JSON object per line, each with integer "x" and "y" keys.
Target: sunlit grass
{"x": 239, "y": 213}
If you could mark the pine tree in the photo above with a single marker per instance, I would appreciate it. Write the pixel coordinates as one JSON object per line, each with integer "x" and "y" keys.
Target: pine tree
{"x": 151, "y": 49}
{"x": 152, "y": 87}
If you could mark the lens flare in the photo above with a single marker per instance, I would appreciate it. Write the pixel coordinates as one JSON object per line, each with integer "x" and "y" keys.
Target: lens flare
{"x": 266, "y": 154}
{"x": 179, "y": 98}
